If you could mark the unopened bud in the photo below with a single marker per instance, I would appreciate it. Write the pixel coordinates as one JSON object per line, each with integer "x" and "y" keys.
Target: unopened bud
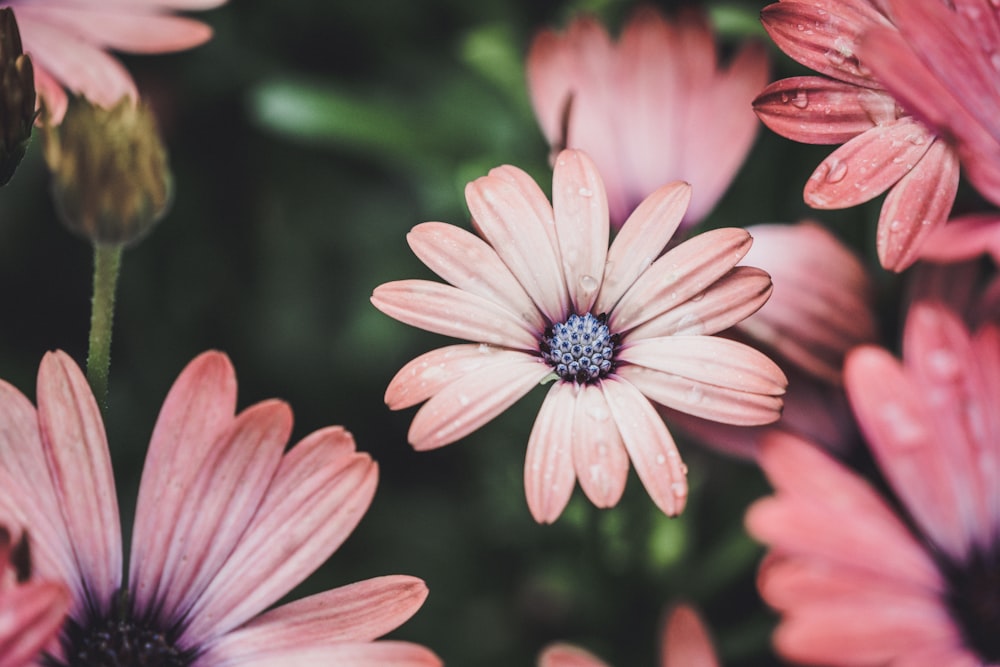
{"x": 111, "y": 179}
{"x": 17, "y": 96}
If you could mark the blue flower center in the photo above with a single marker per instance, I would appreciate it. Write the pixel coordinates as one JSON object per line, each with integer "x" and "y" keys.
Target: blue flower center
{"x": 581, "y": 349}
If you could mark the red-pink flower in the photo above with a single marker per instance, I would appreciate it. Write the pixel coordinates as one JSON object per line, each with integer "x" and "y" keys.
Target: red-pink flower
{"x": 31, "y": 611}
{"x": 864, "y": 580}
{"x": 543, "y": 298}
{"x": 884, "y": 147}
{"x": 655, "y": 107}
{"x": 684, "y": 643}
{"x": 68, "y": 43}
{"x": 227, "y": 522}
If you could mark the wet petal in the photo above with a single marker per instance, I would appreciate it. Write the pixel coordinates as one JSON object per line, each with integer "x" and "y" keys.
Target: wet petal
{"x": 548, "y": 465}
{"x": 31, "y": 615}
{"x": 599, "y": 455}
{"x": 355, "y": 654}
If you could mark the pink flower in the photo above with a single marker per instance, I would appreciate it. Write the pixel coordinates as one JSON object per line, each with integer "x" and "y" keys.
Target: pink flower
{"x": 31, "y": 611}
{"x": 864, "y": 580}
{"x": 885, "y": 148}
{"x": 226, "y": 524}
{"x": 941, "y": 63}
{"x": 653, "y": 108}
{"x": 685, "y": 643}
{"x": 68, "y": 43}
{"x": 544, "y": 298}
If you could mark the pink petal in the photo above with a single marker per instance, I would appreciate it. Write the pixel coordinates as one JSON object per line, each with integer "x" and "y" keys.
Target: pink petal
{"x": 599, "y": 455}
{"x": 452, "y": 312}
{"x": 354, "y": 654}
{"x": 77, "y": 452}
{"x": 867, "y": 165}
{"x": 358, "y": 612}
{"x": 582, "y": 227}
{"x": 681, "y": 273}
{"x": 469, "y": 263}
{"x": 567, "y": 655}
{"x": 51, "y": 92}
{"x": 963, "y": 238}
{"x": 709, "y": 377}
{"x": 198, "y": 409}
{"x": 31, "y": 615}
{"x": 431, "y": 372}
{"x": 641, "y": 240}
{"x": 516, "y": 219}
{"x": 916, "y": 206}
{"x": 818, "y": 110}
{"x": 471, "y": 401}
{"x": 548, "y": 466}
{"x": 649, "y": 445}
{"x": 685, "y": 641}
{"x": 321, "y": 490}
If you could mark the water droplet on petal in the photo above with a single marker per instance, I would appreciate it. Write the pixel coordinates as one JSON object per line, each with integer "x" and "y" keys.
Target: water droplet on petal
{"x": 944, "y": 365}
{"x": 586, "y": 192}
{"x": 801, "y": 99}
{"x": 598, "y": 414}
{"x": 588, "y": 284}
{"x": 695, "y": 395}
{"x": 837, "y": 171}
{"x": 679, "y": 489}
{"x": 661, "y": 459}
{"x": 906, "y": 431}
{"x": 463, "y": 400}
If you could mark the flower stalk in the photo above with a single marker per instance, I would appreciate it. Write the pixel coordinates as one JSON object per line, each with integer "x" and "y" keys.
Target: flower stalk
{"x": 107, "y": 262}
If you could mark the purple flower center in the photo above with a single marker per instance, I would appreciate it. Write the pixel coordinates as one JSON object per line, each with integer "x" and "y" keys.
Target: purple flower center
{"x": 974, "y": 600}
{"x": 581, "y": 349}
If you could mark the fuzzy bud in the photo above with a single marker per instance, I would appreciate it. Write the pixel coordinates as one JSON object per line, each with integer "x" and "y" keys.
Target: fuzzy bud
{"x": 17, "y": 96}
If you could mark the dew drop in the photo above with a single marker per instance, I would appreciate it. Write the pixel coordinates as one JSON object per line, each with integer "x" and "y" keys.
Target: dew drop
{"x": 463, "y": 400}
{"x": 801, "y": 99}
{"x": 588, "y": 284}
{"x": 695, "y": 395}
{"x": 906, "y": 430}
{"x": 837, "y": 171}
{"x": 943, "y": 365}
{"x": 586, "y": 192}
{"x": 661, "y": 459}
{"x": 598, "y": 414}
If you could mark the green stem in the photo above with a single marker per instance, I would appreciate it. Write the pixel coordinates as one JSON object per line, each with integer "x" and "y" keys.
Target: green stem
{"x": 107, "y": 260}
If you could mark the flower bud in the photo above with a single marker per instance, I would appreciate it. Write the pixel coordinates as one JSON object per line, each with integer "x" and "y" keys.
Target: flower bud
{"x": 17, "y": 96}
{"x": 111, "y": 180}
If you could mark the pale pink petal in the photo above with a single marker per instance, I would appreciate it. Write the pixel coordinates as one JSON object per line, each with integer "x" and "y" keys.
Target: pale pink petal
{"x": 649, "y": 445}
{"x": 818, "y": 110}
{"x": 350, "y": 654}
{"x": 76, "y": 448}
{"x": 916, "y": 206}
{"x": 681, "y": 273}
{"x": 469, "y": 263}
{"x": 567, "y": 655}
{"x": 359, "y": 612}
{"x": 199, "y": 407}
{"x": 963, "y": 238}
{"x": 641, "y": 240}
{"x": 321, "y": 490}
{"x": 867, "y": 165}
{"x": 429, "y": 373}
{"x": 452, "y": 312}
{"x": 581, "y": 217}
{"x": 713, "y": 378}
{"x": 471, "y": 401}
{"x": 51, "y": 92}
{"x": 548, "y": 465}
{"x": 517, "y": 220}
{"x": 685, "y": 641}
{"x": 31, "y": 615}
{"x": 730, "y": 300}
{"x": 599, "y": 455}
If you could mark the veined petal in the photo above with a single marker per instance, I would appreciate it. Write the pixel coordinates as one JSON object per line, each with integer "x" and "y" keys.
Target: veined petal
{"x": 359, "y": 612}
{"x": 685, "y": 641}
{"x": 469, "y": 263}
{"x": 681, "y": 273}
{"x": 599, "y": 455}
{"x": 453, "y": 312}
{"x": 916, "y": 206}
{"x": 318, "y": 495}
{"x": 818, "y": 110}
{"x": 472, "y": 400}
{"x": 77, "y": 452}
{"x": 431, "y": 372}
{"x": 355, "y": 654}
{"x": 548, "y": 466}
{"x": 641, "y": 240}
{"x": 567, "y": 655}
{"x": 580, "y": 208}
{"x": 30, "y": 617}
{"x": 649, "y": 444}
{"x": 517, "y": 220}
{"x": 868, "y": 165}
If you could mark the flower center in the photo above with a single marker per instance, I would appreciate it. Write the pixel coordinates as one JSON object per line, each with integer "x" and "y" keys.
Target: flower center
{"x": 120, "y": 640}
{"x": 581, "y": 349}
{"x": 974, "y": 600}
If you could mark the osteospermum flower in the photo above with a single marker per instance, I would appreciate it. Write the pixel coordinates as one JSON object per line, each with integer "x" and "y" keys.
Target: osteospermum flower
{"x": 685, "y": 643}
{"x": 68, "y": 43}
{"x": 655, "y": 107}
{"x": 543, "y": 298}
{"x": 884, "y": 147}
{"x": 226, "y": 523}
{"x": 864, "y": 580}
{"x": 31, "y": 611}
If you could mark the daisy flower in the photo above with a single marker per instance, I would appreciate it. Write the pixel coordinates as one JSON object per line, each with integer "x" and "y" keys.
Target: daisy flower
{"x": 68, "y": 43}
{"x": 227, "y": 522}
{"x": 543, "y": 298}
{"x": 685, "y": 643}
{"x": 885, "y": 148}
{"x": 657, "y": 106}
{"x": 862, "y": 579}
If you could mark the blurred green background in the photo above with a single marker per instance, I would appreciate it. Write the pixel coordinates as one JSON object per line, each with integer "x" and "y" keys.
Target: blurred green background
{"x": 306, "y": 139}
